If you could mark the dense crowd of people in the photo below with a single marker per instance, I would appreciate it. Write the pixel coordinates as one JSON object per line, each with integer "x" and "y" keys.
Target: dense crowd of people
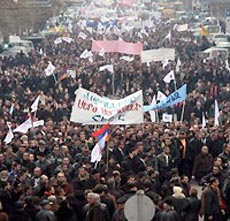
{"x": 46, "y": 174}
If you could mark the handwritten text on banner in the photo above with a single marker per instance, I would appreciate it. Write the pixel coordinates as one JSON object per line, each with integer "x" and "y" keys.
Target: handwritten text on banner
{"x": 90, "y": 108}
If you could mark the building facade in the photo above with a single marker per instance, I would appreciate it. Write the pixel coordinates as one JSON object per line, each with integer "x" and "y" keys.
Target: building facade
{"x": 24, "y": 16}
{"x": 217, "y": 8}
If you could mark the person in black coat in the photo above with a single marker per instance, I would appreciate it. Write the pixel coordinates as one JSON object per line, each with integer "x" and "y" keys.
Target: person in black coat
{"x": 210, "y": 201}
{"x": 185, "y": 156}
{"x": 203, "y": 164}
{"x": 102, "y": 190}
{"x": 118, "y": 152}
{"x": 168, "y": 213}
{"x": 66, "y": 211}
{"x": 19, "y": 214}
{"x": 192, "y": 207}
{"x": 165, "y": 164}
{"x": 30, "y": 208}
{"x": 95, "y": 210}
{"x": 79, "y": 203}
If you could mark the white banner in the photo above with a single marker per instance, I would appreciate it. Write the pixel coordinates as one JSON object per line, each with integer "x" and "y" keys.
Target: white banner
{"x": 160, "y": 54}
{"x": 181, "y": 28}
{"x": 90, "y": 108}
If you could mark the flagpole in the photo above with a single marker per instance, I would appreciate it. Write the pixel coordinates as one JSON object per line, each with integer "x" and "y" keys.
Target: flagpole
{"x": 175, "y": 86}
{"x": 55, "y": 79}
{"x": 107, "y": 158}
{"x": 174, "y": 112}
{"x": 182, "y": 112}
{"x": 113, "y": 86}
{"x": 157, "y": 116}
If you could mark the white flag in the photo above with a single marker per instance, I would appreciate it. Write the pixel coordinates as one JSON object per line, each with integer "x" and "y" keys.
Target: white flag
{"x": 109, "y": 67}
{"x": 9, "y": 137}
{"x": 153, "y": 113}
{"x": 169, "y": 36}
{"x": 38, "y": 123}
{"x": 139, "y": 35}
{"x": 160, "y": 96}
{"x": 181, "y": 28}
{"x": 169, "y": 77}
{"x": 103, "y": 19}
{"x": 40, "y": 51}
{"x": 175, "y": 27}
{"x": 127, "y": 58}
{"x": 203, "y": 120}
{"x": 165, "y": 62}
{"x": 82, "y": 35}
{"x": 217, "y": 114}
{"x": 50, "y": 69}
{"x": 34, "y": 106}
{"x": 168, "y": 118}
{"x": 178, "y": 64}
{"x": 71, "y": 73}
{"x": 68, "y": 39}
{"x": 102, "y": 52}
{"x": 11, "y": 109}
{"x": 90, "y": 30}
{"x": 25, "y": 126}
{"x": 70, "y": 27}
{"x": 144, "y": 32}
{"x": 96, "y": 153}
{"x": 58, "y": 41}
{"x": 86, "y": 54}
{"x": 227, "y": 65}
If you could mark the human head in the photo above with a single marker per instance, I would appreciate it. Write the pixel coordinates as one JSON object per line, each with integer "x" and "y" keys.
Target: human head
{"x": 214, "y": 182}
{"x": 193, "y": 192}
{"x": 61, "y": 177}
{"x": 227, "y": 147}
{"x": 93, "y": 198}
{"x": 46, "y": 204}
{"x": 166, "y": 150}
{"x": 204, "y": 150}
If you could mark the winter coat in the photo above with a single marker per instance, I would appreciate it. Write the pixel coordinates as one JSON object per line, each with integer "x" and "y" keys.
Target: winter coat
{"x": 96, "y": 212}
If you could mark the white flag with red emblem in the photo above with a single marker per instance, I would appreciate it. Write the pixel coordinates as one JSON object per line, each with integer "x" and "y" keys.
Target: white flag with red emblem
{"x": 160, "y": 96}
{"x": 169, "y": 77}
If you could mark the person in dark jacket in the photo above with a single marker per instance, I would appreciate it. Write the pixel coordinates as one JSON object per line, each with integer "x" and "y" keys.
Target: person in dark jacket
{"x": 165, "y": 164}
{"x": 95, "y": 210}
{"x": 102, "y": 190}
{"x": 45, "y": 213}
{"x": 225, "y": 156}
{"x": 192, "y": 207}
{"x": 168, "y": 213}
{"x": 210, "y": 201}
{"x": 216, "y": 172}
{"x": 19, "y": 214}
{"x": 66, "y": 211}
{"x": 119, "y": 212}
{"x": 203, "y": 164}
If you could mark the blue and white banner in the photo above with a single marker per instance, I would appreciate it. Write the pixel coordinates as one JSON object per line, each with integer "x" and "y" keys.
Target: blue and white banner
{"x": 90, "y": 108}
{"x": 174, "y": 98}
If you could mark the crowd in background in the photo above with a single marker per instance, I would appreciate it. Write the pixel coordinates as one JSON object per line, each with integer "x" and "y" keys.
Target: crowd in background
{"x": 46, "y": 174}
